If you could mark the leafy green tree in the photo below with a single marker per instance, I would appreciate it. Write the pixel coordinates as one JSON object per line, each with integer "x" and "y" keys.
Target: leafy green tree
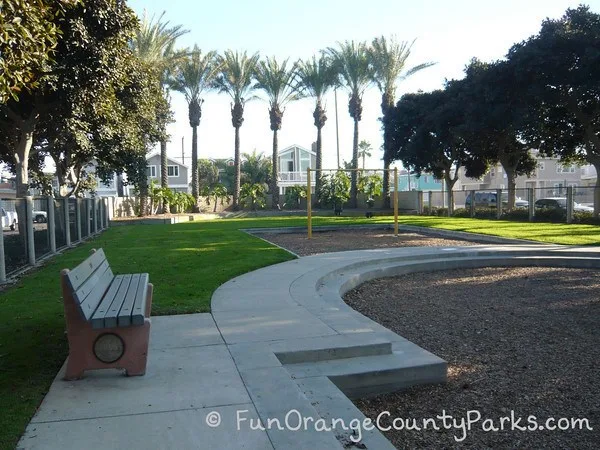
{"x": 235, "y": 80}
{"x": 256, "y": 168}
{"x": 370, "y": 185}
{"x": 364, "y": 150}
{"x": 335, "y": 190}
{"x": 557, "y": 71}
{"x": 154, "y": 43}
{"x": 495, "y": 118}
{"x": 277, "y": 80}
{"x": 353, "y": 64}
{"x": 389, "y": 58}
{"x": 28, "y": 42}
{"x": 192, "y": 76}
{"x": 252, "y": 196}
{"x": 293, "y": 195}
{"x": 208, "y": 174}
{"x": 86, "y": 61}
{"x": 316, "y": 77}
{"x": 425, "y": 134}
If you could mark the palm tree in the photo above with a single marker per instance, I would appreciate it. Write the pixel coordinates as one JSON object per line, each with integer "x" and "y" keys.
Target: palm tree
{"x": 256, "y": 168}
{"x": 235, "y": 79}
{"x": 278, "y": 82}
{"x": 352, "y": 62}
{"x": 388, "y": 59}
{"x": 317, "y": 77}
{"x": 154, "y": 44}
{"x": 193, "y": 76}
{"x": 364, "y": 150}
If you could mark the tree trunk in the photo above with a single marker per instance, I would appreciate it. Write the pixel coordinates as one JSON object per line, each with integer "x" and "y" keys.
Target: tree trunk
{"x": 386, "y": 185}
{"x": 450, "y": 182}
{"x": 354, "y": 178}
{"x": 22, "y": 160}
{"x": 319, "y": 163}
{"x": 236, "y": 179}
{"x": 164, "y": 175}
{"x": 512, "y": 187}
{"x": 195, "y": 168}
{"x": 275, "y": 173}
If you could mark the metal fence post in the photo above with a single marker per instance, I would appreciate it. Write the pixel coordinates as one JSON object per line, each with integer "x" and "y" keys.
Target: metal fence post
{"x": 95, "y": 214}
{"x": 88, "y": 225}
{"x": 51, "y": 224}
{"x": 67, "y": 224}
{"x": 498, "y": 203}
{"x": 472, "y": 204}
{"x": 2, "y": 258}
{"x": 429, "y": 201}
{"x": 570, "y": 204}
{"x": 78, "y": 218}
{"x": 29, "y": 228}
{"x": 531, "y": 206}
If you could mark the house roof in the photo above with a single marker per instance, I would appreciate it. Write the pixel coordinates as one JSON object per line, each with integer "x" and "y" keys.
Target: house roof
{"x": 291, "y": 147}
{"x": 171, "y": 160}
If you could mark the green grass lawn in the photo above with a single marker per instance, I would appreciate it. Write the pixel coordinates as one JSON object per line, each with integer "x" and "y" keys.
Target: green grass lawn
{"x": 186, "y": 263}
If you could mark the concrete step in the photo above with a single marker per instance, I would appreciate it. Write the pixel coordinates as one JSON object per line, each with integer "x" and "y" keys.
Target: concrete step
{"x": 373, "y": 375}
{"x": 327, "y": 348}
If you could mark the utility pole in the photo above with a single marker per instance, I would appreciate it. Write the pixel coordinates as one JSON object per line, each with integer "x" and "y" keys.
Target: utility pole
{"x": 337, "y": 129}
{"x": 182, "y": 151}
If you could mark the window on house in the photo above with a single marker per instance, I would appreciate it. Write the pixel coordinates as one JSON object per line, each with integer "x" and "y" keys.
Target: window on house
{"x": 565, "y": 169}
{"x": 493, "y": 171}
{"x": 290, "y": 166}
{"x": 542, "y": 165}
{"x": 173, "y": 171}
{"x": 151, "y": 171}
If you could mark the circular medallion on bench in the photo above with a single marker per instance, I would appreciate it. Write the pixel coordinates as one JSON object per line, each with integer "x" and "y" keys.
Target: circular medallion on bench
{"x": 109, "y": 348}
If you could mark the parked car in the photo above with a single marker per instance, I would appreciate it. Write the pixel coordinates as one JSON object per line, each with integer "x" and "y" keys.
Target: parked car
{"x": 9, "y": 219}
{"x": 488, "y": 199}
{"x": 40, "y": 216}
{"x": 560, "y": 203}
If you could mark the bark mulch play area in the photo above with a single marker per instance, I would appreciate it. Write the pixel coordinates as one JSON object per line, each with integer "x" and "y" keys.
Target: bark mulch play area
{"x": 355, "y": 239}
{"x": 520, "y": 343}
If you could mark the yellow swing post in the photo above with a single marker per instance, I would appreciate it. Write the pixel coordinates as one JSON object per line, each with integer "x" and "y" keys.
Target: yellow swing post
{"x": 308, "y": 203}
{"x": 395, "y": 201}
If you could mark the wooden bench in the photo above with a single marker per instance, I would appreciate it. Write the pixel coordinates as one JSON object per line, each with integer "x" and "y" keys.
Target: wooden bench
{"x": 107, "y": 316}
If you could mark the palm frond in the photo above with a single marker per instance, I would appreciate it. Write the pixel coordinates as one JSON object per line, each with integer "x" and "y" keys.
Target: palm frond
{"x": 194, "y": 74}
{"x": 236, "y": 74}
{"x": 388, "y": 59}
{"x": 154, "y": 41}
{"x": 278, "y": 81}
{"x": 317, "y": 76}
{"x": 353, "y": 64}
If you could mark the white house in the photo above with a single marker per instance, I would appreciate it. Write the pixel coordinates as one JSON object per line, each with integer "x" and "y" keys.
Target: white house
{"x": 177, "y": 173}
{"x": 293, "y": 162}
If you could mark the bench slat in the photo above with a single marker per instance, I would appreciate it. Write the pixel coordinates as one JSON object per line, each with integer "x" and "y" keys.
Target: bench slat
{"x": 94, "y": 289}
{"x": 124, "y": 319}
{"x": 89, "y": 284}
{"x": 104, "y": 306}
{"x": 82, "y": 272}
{"x": 139, "y": 306}
{"x": 110, "y": 318}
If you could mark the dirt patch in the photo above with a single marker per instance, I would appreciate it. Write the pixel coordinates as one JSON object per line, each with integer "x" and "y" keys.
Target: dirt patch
{"x": 520, "y": 341}
{"x": 342, "y": 240}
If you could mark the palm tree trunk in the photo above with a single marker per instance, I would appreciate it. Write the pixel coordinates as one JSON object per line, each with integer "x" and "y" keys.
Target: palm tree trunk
{"x": 319, "y": 163}
{"x": 354, "y": 179}
{"x": 195, "y": 168}
{"x": 236, "y": 178}
{"x": 164, "y": 176}
{"x": 275, "y": 173}
{"x": 386, "y": 183}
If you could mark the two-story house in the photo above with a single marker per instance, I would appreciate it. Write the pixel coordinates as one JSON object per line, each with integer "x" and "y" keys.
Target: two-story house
{"x": 177, "y": 173}
{"x": 293, "y": 162}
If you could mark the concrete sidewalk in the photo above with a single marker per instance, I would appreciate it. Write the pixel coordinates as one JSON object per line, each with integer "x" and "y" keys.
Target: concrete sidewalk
{"x": 280, "y": 344}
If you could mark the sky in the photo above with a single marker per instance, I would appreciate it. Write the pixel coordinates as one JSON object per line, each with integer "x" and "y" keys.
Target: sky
{"x": 448, "y": 33}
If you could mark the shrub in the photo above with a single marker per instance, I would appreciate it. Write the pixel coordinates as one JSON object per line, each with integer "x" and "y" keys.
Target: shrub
{"x": 550, "y": 215}
{"x": 518, "y": 215}
{"x": 252, "y": 196}
{"x": 293, "y": 195}
{"x": 335, "y": 190}
{"x": 586, "y": 217}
